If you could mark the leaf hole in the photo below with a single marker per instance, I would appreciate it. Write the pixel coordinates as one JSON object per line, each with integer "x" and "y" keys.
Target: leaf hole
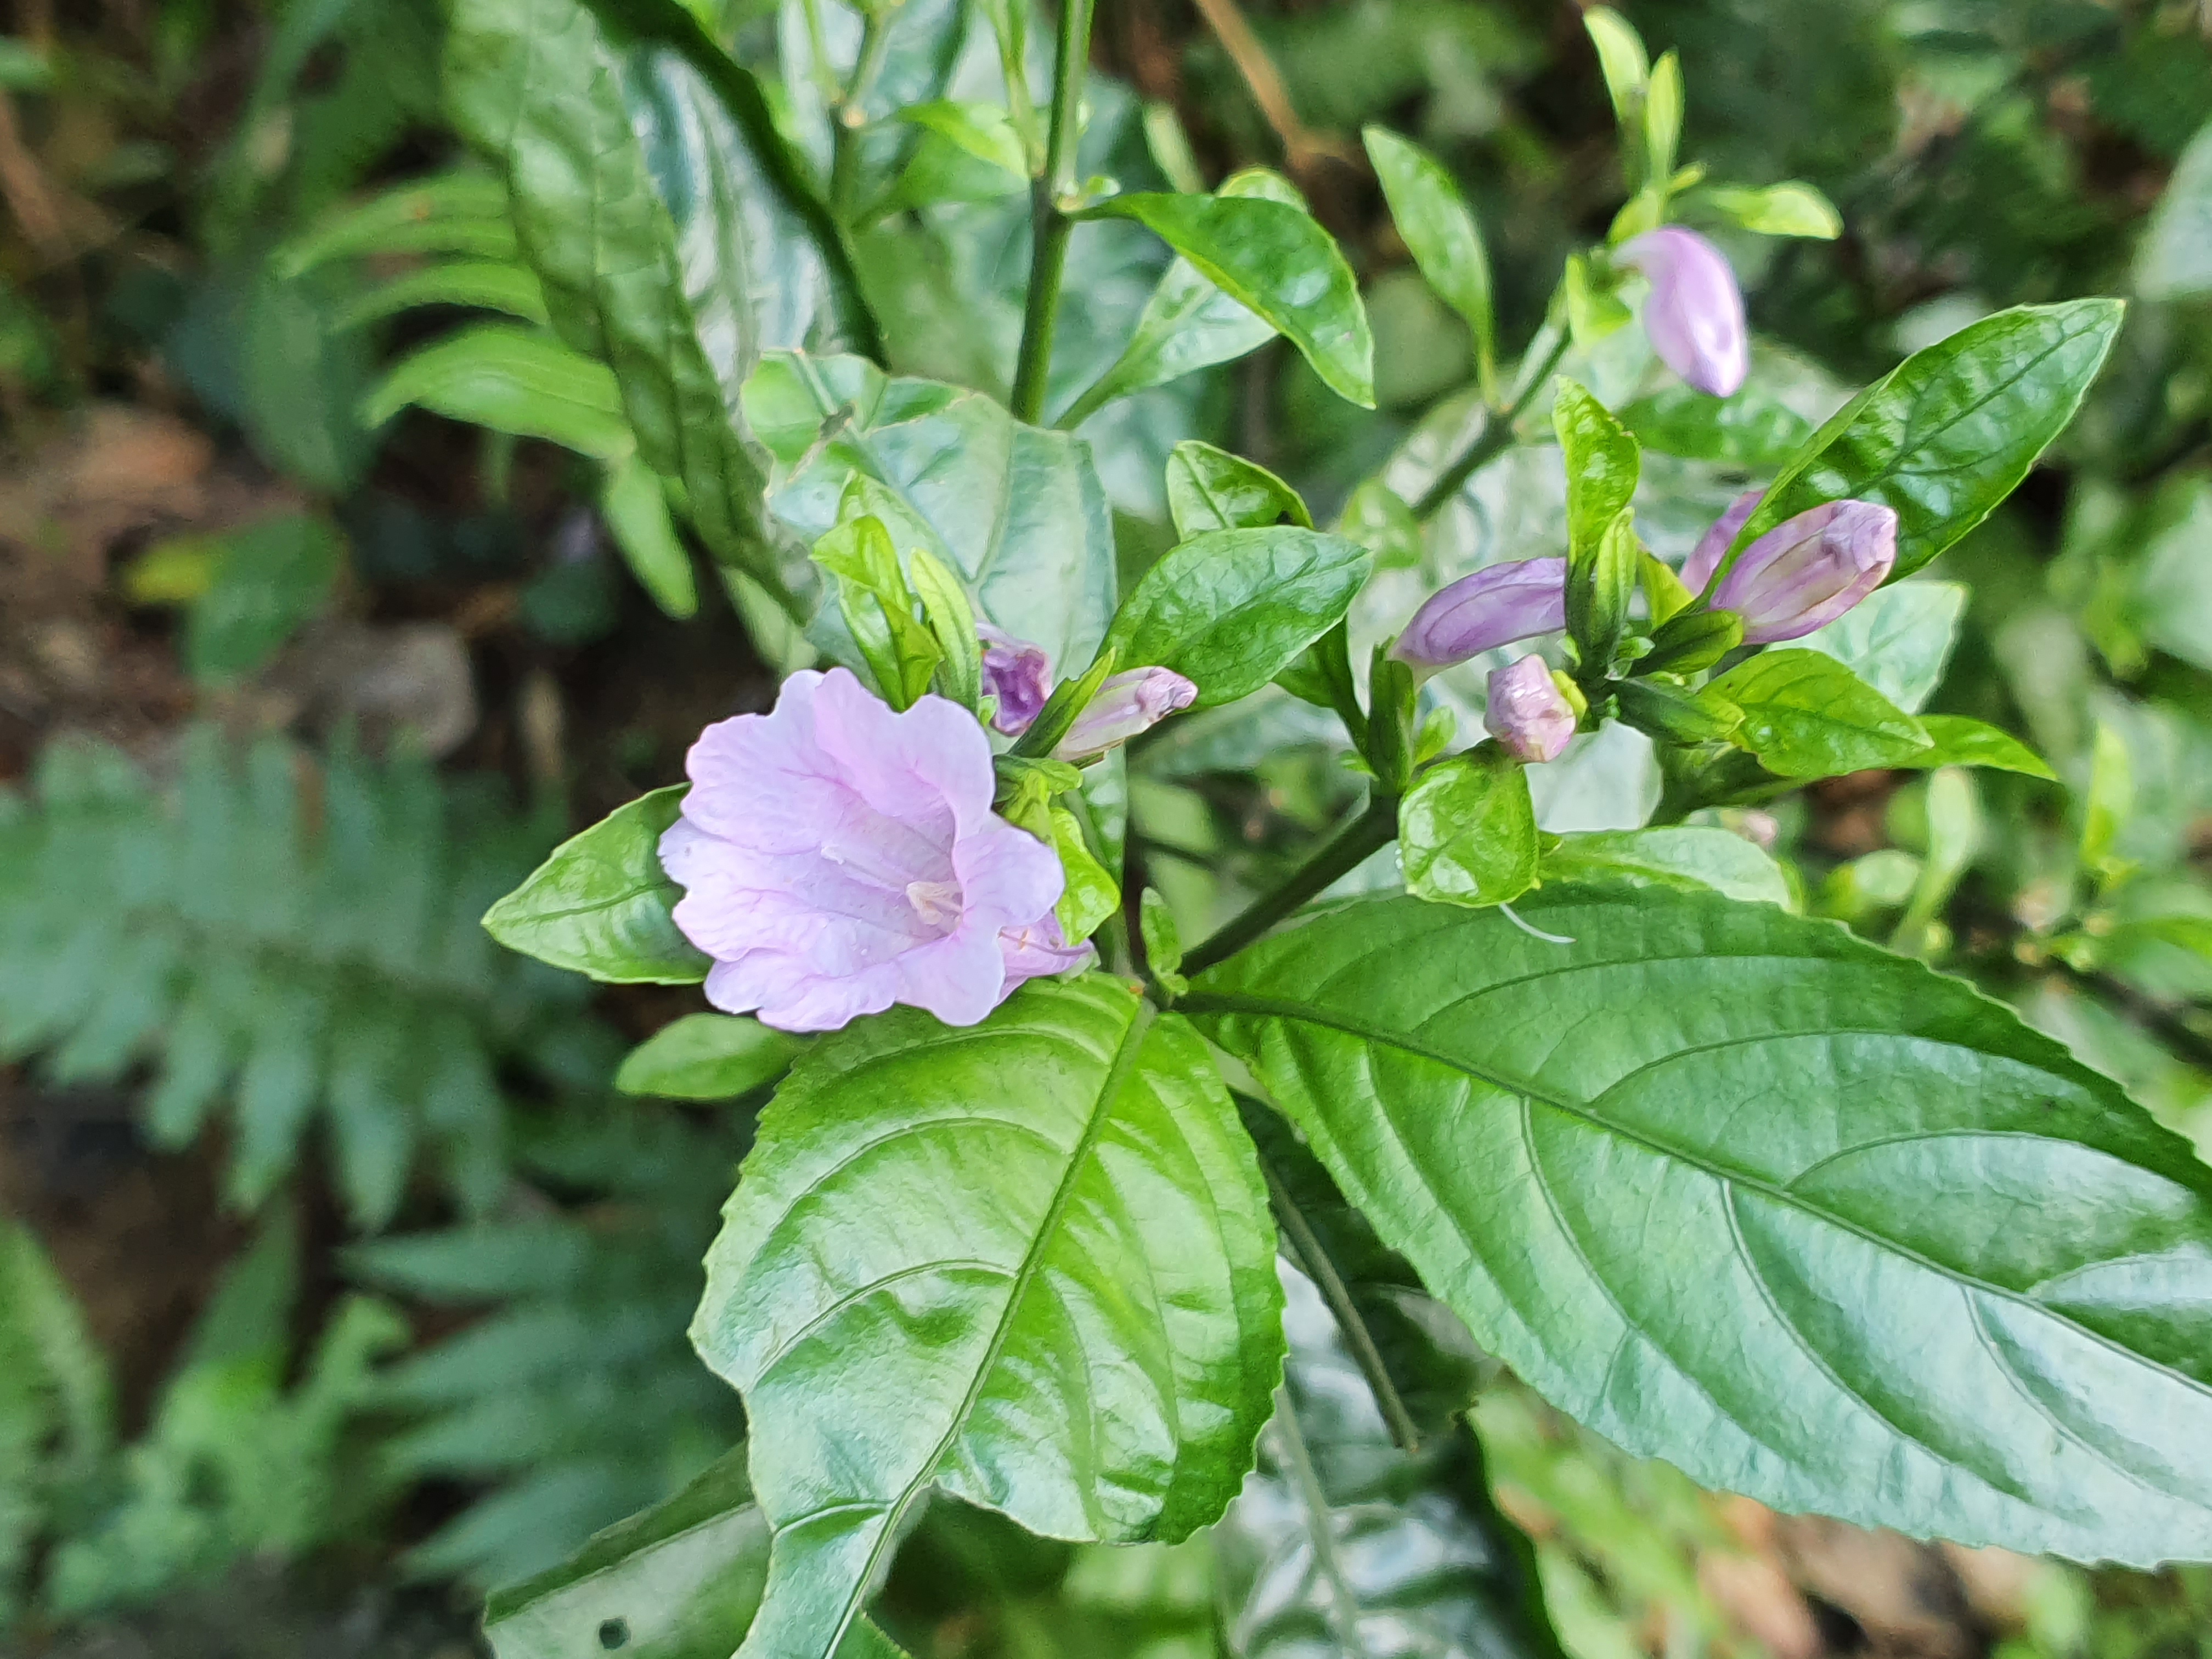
{"x": 614, "y": 1633}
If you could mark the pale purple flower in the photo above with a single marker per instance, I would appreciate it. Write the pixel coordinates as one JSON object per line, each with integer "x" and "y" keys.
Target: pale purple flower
{"x": 1497, "y": 605}
{"x": 1695, "y": 314}
{"x": 1129, "y": 702}
{"x": 837, "y": 857}
{"x": 1018, "y": 674}
{"x": 1527, "y": 712}
{"x": 1802, "y": 574}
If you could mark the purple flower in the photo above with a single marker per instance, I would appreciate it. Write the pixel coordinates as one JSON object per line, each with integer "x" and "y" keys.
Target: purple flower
{"x": 1018, "y": 674}
{"x": 1497, "y": 605}
{"x": 1129, "y": 702}
{"x": 836, "y": 857}
{"x": 1527, "y": 713}
{"x": 1695, "y": 314}
{"x": 1802, "y": 574}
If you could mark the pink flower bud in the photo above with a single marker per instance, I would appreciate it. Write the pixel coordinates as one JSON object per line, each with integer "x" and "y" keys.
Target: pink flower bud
{"x": 1712, "y": 547}
{"x": 1018, "y": 674}
{"x": 1130, "y": 702}
{"x": 1809, "y": 570}
{"x": 1528, "y": 714}
{"x": 1497, "y": 605}
{"x": 1695, "y": 314}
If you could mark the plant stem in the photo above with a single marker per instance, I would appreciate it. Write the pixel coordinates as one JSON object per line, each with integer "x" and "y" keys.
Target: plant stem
{"x": 1050, "y": 226}
{"x": 1496, "y": 435}
{"x": 1374, "y": 828}
{"x": 847, "y": 118}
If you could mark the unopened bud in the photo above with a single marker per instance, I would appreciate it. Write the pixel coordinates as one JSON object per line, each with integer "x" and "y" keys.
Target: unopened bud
{"x": 1807, "y": 571}
{"x": 1018, "y": 674}
{"x": 1527, "y": 713}
{"x": 1695, "y": 314}
{"x": 1126, "y": 705}
{"x": 1495, "y": 606}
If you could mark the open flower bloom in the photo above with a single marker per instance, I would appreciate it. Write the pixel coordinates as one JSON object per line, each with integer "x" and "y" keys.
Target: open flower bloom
{"x": 1495, "y": 605}
{"x": 1527, "y": 713}
{"x": 837, "y": 857}
{"x": 1128, "y": 703}
{"x": 1695, "y": 314}
{"x": 1018, "y": 674}
{"x": 1802, "y": 574}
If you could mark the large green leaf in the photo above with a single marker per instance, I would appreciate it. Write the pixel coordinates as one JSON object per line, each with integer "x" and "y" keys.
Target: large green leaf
{"x": 1273, "y": 259}
{"x": 1806, "y": 716}
{"x": 601, "y": 904}
{"x": 1018, "y": 512}
{"x": 665, "y": 248}
{"x": 1809, "y": 1221}
{"x": 1944, "y": 436}
{"x": 1028, "y": 1261}
{"x": 1231, "y": 608}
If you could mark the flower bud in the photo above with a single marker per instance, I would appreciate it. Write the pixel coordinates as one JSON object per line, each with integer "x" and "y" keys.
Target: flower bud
{"x": 1018, "y": 674}
{"x": 1695, "y": 314}
{"x": 1712, "y": 547}
{"x": 1126, "y": 705}
{"x": 1805, "y": 573}
{"x": 1497, "y": 605}
{"x": 1528, "y": 714}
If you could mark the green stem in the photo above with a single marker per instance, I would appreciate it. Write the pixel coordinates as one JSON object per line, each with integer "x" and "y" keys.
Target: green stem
{"x": 1496, "y": 435}
{"x": 847, "y": 118}
{"x": 1374, "y": 828}
{"x": 1051, "y": 228}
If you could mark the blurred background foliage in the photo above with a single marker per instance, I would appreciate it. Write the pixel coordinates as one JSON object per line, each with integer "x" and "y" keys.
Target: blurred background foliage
{"x": 338, "y": 1282}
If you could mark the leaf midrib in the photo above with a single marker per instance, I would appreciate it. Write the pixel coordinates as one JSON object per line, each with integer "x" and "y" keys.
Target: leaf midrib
{"x": 1200, "y": 1002}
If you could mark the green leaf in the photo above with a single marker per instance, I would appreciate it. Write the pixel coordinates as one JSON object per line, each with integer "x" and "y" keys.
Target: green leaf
{"x": 1686, "y": 856}
{"x": 1029, "y": 1262}
{"x": 269, "y": 579}
{"x": 1897, "y": 639}
{"x": 1748, "y": 430}
{"x": 599, "y": 905}
{"x": 1602, "y": 462}
{"x": 1439, "y": 229}
{"x": 2174, "y": 257}
{"x": 461, "y": 213}
{"x": 1674, "y": 715}
{"x": 1792, "y": 208}
{"x": 901, "y": 652}
{"x": 1662, "y": 123}
{"x": 1162, "y": 939}
{"x": 635, "y": 505}
{"x": 1017, "y": 511}
{"x": 1378, "y": 519}
{"x": 1209, "y": 489}
{"x": 1272, "y": 259}
{"x": 1945, "y": 437}
{"x": 670, "y": 231}
{"x": 1957, "y": 740}
{"x": 952, "y": 621}
{"x": 477, "y": 284}
{"x": 1230, "y": 609}
{"x": 1622, "y": 60}
{"x": 1467, "y": 833}
{"x": 1745, "y": 1193}
{"x": 1093, "y": 893}
{"x": 707, "y": 1057}
{"x": 982, "y": 130}
{"x": 511, "y": 379}
{"x": 1806, "y": 716}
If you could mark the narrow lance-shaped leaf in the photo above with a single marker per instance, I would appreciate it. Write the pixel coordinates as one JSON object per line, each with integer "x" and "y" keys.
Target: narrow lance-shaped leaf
{"x": 1438, "y": 228}
{"x": 1030, "y": 1262}
{"x": 1602, "y": 462}
{"x": 511, "y": 379}
{"x": 1944, "y": 436}
{"x": 1744, "y": 1191}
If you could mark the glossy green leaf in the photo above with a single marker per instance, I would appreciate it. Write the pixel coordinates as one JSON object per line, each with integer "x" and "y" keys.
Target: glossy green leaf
{"x": 512, "y": 380}
{"x": 1686, "y": 856}
{"x": 1958, "y": 741}
{"x": 459, "y": 213}
{"x": 1745, "y": 1193}
{"x": 635, "y": 505}
{"x": 1790, "y": 209}
{"x": 1209, "y": 489}
{"x": 1467, "y": 833}
{"x": 707, "y": 1057}
{"x": 1029, "y": 1262}
{"x": 475, "y": 284}
{"x": 952, "y": 621}
{"x": 1945, "y": 437}
{"x": 1806, "y": 716}
{"x": 671, "y": 236}
{"x": 1017, "y": 511}
{"x": 1439, "y": 229}
{"x": 2174, "y": 257}
{"x": 599, "y": 905}
{"x": 1748, "y": 430}
{"x": 1231, "y": 608}
{"x": 1189, "y": 323}
{"x": 1602, "y": 462}
{"x": 1897, "y": 639}
{"x": 1273, "y": 259}
{"x": 901, "y": 652}
{"x": 1093, "y": 893}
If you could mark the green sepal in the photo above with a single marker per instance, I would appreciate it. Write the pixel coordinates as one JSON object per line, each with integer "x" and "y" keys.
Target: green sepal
{"x": 1674, "y": 715}
{"x": 951, "y": 620}
{"x": 1392, "y": 720}
{"x": 1691, "y": 641}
